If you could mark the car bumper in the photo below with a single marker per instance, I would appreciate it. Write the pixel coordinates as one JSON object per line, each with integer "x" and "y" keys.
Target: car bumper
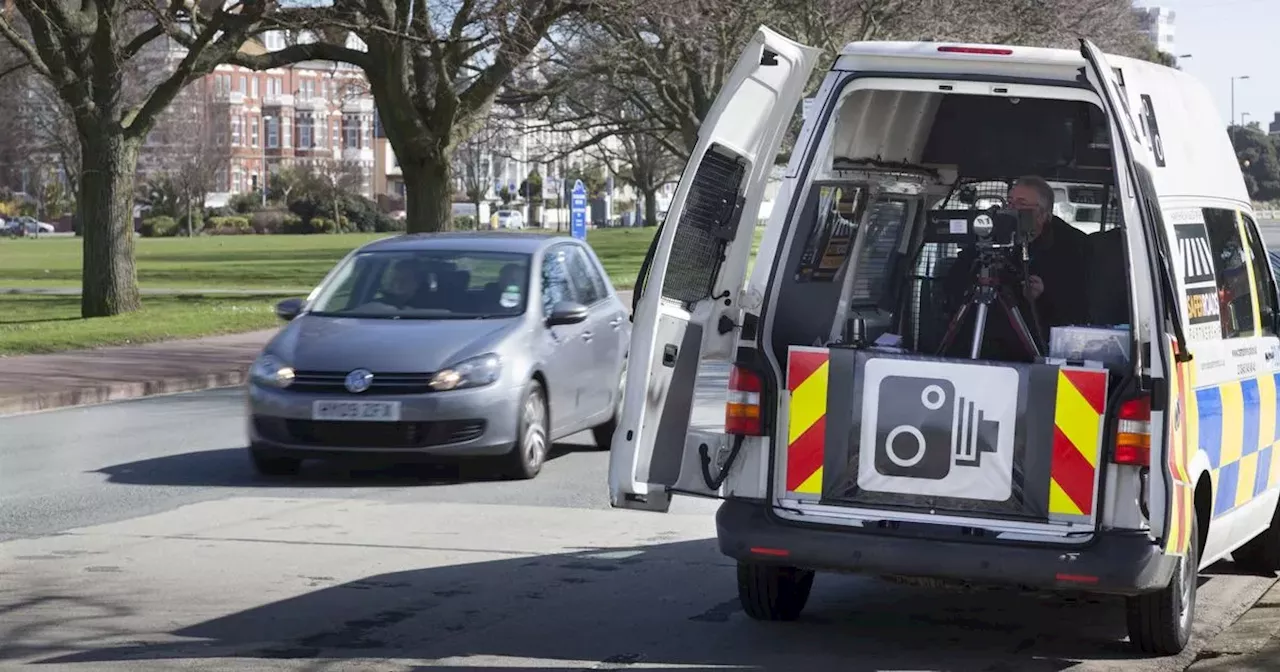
{"x": 460, "y": 423}
{"x": 1118, "y": 563}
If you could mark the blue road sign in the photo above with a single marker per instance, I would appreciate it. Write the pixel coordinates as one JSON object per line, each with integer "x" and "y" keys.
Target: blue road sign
{"x": 578, "y": 211}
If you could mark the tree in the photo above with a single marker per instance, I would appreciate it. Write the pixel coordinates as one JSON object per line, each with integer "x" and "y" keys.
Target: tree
{"x": 185, "y": 150}
{"x": 109, "y": 61}
{"x": 656, "y": 67}
{"x": 1259, "y": 161}
{"x": 649, "y": 166}
{"x": 474, "y": 161}
{"x": 434, "y": 74}
{"x": 334, "y": 180}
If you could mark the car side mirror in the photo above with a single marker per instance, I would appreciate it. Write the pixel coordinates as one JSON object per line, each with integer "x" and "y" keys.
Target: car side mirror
{"x": 567, "y": 312}
{"x": 290, "y": 308}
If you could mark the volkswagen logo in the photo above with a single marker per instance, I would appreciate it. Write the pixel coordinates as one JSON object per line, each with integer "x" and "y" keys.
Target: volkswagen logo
{"x": 358, "y": 381}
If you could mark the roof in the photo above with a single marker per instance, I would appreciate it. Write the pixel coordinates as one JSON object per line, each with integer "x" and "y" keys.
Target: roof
{"x": 485, "y": 241}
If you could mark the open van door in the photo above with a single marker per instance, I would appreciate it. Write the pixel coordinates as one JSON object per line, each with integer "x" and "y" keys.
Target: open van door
{"x": 1144, "y": 229}
{"x": 689, "y": 303}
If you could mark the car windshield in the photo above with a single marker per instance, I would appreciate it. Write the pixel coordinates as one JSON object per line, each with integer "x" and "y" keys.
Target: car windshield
{"x": 427, "y": 285}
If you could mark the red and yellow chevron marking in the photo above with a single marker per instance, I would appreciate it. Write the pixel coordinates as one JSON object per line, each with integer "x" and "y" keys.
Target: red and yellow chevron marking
{"x": 1077, "y": 418}
{"x": 1184, "y": 431}
{"x": 807, "y": 419}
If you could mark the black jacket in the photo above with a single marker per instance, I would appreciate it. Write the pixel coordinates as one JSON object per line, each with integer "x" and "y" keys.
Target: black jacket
{"x": 1060, "y": 257}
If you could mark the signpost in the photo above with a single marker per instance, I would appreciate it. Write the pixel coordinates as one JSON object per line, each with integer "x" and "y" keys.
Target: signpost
{"x": 578, "y": 211}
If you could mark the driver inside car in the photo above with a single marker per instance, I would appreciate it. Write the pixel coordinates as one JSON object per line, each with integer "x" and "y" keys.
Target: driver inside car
{"x": 1053, "y": 293}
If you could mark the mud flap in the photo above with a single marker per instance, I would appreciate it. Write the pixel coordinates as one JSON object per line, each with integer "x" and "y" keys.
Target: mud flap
{"x": 983, "y": 439}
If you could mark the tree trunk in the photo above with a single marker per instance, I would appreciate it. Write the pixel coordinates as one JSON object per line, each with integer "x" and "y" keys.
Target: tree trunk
{"x": 105, "y": 212}
{"x": 428, "y": 193}
{"x": 650, "y": 207}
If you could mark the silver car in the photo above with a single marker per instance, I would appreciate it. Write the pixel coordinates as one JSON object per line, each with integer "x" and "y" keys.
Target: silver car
{"x": 487, "y": 345}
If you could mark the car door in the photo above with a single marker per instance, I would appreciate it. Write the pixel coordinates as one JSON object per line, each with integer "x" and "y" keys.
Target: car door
{"x": 563, "y": 347}
{"x": 603, "y": 324}
{"x": 699, "y": 264}
{"x": 1172, "y": 493}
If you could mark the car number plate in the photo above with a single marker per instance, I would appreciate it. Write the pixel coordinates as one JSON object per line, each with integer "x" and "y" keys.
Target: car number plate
{"x": 361, "y": 411}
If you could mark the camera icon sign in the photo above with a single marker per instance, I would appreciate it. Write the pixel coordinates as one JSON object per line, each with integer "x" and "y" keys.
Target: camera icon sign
{"x": 932, "y": 397}
{"x": 924, "y": 429}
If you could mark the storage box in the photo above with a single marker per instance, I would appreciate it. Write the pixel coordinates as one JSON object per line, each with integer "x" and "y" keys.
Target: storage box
{"x": 1108, "y": 345}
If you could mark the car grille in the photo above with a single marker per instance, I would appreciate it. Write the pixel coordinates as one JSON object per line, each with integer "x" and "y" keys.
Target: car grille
{"x": 383, "y": 383}
{"x": 344, "y": 434}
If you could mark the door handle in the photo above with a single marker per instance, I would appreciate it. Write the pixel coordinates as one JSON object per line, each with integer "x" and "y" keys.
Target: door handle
{"x": 615, "y": 322}
{"x": 586, "y": 335}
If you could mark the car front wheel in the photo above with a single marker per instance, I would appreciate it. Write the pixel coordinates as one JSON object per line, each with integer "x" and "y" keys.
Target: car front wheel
{"x": 532, "y": 443}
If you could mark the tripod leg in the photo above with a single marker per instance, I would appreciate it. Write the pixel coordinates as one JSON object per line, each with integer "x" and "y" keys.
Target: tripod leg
{"x": 979, "y": 329}
{"x": 1029, "y": 341}
{"x": 953, "y": 329}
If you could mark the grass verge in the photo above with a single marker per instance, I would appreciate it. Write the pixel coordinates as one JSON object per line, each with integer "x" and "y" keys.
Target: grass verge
{"x": 43, "y": 324}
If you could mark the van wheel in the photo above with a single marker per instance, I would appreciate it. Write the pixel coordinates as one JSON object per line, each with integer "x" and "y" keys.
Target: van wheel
{"x": 1160, "y": 622}
{"x": 772, "y": 592}
{"x": 1261, "y": 554}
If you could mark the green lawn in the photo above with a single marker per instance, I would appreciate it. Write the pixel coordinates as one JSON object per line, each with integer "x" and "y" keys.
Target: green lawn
{"x": 30, "y": 324}
{"x": 37, "y": 324}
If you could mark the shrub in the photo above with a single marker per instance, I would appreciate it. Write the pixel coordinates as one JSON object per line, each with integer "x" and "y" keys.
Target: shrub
{"x": 293, "y": 224}
{"x": 270, "y": 221}
{"x": 464, "y": 223}
{"x": 197, "y": 225}
{"x": 161, "y": 226}
{"x": 243, "y": 204}
{"x": 230, "y": 226}
{"x": 322, "y": 225}
{"x": 388, "y": 224}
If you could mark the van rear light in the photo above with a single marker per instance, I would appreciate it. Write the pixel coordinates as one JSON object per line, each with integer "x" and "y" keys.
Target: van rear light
{"x": 742, "y": 409}
{"x": 1133, "y": 433}
{"x": 987, "y": 51}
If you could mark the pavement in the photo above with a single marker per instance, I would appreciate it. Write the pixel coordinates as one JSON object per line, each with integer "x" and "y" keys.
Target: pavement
{"x": 135, "y": 536}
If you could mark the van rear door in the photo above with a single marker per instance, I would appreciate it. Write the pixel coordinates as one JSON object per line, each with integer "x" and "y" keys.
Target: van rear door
{"x": 689, "y": 303}
{"x": 1170, "y": 490}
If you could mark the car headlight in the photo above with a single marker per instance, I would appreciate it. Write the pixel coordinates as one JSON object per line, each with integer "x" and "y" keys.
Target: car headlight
{"x": 474, "y": 372}
{"x": 268, "y": 370}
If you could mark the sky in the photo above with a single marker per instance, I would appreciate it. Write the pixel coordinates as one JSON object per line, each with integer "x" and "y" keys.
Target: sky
{"x": 1227, "y": 38}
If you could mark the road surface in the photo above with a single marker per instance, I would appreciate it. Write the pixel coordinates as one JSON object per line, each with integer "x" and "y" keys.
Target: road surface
{"x": 136, "y": 538}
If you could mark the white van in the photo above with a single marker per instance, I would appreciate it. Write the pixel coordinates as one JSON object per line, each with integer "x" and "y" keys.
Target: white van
{"x": 1119, "y": 454}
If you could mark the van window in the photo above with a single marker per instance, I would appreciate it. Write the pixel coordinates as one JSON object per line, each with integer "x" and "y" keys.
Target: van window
{"x": 1231, "y": 272}
{"x": 1262, "y": 279}
{"x": 883, "y": 230}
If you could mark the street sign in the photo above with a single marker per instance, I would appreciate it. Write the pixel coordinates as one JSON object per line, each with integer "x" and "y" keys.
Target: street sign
{"x": 578, "y": 211}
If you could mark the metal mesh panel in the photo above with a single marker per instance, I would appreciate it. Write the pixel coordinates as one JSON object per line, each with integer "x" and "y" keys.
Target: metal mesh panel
{"x": 883, "y": 228}
{"x": 707, "y": 224}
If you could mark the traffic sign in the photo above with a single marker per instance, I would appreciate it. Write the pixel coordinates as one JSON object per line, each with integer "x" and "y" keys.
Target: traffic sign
{"x": 578, "y": 211}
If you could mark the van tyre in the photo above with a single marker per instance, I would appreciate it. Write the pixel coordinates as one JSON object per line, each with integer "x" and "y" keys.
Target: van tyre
{"x": 533, "y": 441}
{"x": 1160, "y": 622}
{"x": 267, "y": 463}
{"x": 773, "y": 592}
{"x": 1261, "y": 554}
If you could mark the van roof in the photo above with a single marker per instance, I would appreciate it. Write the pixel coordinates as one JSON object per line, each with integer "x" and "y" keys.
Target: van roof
{"x": 1038, "y": 55}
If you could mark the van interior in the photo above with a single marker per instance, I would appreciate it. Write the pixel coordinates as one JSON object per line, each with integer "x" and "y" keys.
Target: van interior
{"x": 871, "y": 209}
{"x": 866, "y": 256}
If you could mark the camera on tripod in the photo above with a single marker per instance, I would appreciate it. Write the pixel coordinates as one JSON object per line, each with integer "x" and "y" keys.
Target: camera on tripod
{"x": 998, "y": 239}
{"x": 993, "y": 227}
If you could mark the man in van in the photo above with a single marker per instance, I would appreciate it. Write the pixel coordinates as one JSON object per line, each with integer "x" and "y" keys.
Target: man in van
{"x": 1056, "y": 275}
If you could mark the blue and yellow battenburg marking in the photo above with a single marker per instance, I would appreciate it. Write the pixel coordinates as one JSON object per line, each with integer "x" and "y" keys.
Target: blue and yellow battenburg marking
{"x": 1239, "y": 435}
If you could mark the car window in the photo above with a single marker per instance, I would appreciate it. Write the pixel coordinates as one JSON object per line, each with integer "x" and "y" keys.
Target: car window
{"x": 427, "y": 284}
{"x": 1262, "y": 284}
{"x": 556, "y": 285}
{"x": 1231, "y": 272}
{"x": 580, "y": 273}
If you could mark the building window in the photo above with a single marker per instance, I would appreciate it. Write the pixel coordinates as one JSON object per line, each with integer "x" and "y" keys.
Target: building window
{"x": 243, "y": 84}
{"x": 307, "y": 88}
{"x": 253, "y": 87}
{"x": 286, "y": 134}
{"x": 273, "y": 132}
{"x": 237, "y": 130}
{"x": 304, "y": 131}
{"x": 253, "y": 134}
{"x": 351, "y": 131}
{"x": 275, "y": 86}
{"x": 274, "y": 40}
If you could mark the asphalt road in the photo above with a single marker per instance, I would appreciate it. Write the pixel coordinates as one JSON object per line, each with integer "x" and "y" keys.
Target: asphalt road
{"x": 136, "y": 538}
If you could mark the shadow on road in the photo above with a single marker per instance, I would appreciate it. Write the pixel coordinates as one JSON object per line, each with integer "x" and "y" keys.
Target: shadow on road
{"x": 666, "y": 606}
{"x": 230, "y": 467}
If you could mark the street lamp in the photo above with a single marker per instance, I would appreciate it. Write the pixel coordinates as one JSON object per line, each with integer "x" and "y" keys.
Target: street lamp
{"x": 266, "y": 119}
{"x": 1233, "y": 97}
